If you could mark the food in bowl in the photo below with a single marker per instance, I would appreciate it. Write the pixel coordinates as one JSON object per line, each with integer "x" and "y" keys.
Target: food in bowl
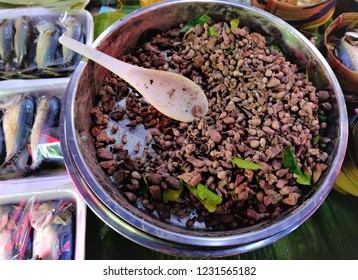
{"x": 258, "y": 152}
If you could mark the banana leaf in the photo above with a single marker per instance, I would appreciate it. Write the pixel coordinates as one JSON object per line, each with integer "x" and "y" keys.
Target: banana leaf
{"x": 104, "y": 20}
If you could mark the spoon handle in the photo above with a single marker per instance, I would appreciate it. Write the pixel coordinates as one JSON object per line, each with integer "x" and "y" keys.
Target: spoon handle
{"x": 114, "y": 65}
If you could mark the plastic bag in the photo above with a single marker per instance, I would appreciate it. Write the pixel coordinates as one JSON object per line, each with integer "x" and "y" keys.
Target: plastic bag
{"x": 29, "y": 46}
{"x": 37, "y": 230}
{"x": 57, "y": 4}
{"x": 15, "y": 240}
{"x": 30, "y": 130}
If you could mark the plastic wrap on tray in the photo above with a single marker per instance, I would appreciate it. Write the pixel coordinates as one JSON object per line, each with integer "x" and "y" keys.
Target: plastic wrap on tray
{"x": 37, "y": 230}
{"x": 15, "y": 241}
{"x": 53, "y": 4}
{"x": 41, "y": 218}
{"x": 29, "y": 128}
{"x": 29, "y": 46}
{"x": 52, "y": 226}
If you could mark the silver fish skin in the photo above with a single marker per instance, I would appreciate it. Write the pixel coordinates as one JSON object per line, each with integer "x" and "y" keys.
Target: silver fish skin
{"x": 47, "y": 114}
{"x": 17, "y": 124}
{"x": 6, "y": 40}
{"x": 348, "y": 54}
{"x": 53, "y": 242}
{"x": 74, "y": 30}
{"x": 51, "y": 223}
{"x": 352, "y": 37}
{"x": 45, "y": 243}
{"x": 47, "y": 43}
{"x": 4, "y": 216}
{"x": 21, "y": 39}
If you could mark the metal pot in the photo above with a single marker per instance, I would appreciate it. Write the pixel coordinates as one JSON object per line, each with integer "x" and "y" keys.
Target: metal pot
{"x": 109, "y": 204}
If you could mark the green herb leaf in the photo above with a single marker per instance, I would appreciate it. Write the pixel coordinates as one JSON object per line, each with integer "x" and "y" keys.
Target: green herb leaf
{"x": 145, "y": 181}
{"x": 212, "y": 31}
{"x": 304, "y": 180}
{"x": 307, "y": 75}
{"x": 322, "y": 118}
{"x": 277, "y": 48}
{"x": 208, "y": 198}
{"x": 207, "y": 195}
{"x": 246, "y": 164}
{"x": 227, "y": 52}
{"x": 210, "y": 207}
{"x": 143, "y": 187}
{"x": 289, "y": 161}
{"x": 315, "y": 139}
{"x": 201, "y": 20}
{"x": 234, "y": 23}
{"x": 171, "y": 195}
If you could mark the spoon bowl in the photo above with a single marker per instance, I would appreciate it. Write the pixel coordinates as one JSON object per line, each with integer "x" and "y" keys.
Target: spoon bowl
{"x": 171, "y": 94}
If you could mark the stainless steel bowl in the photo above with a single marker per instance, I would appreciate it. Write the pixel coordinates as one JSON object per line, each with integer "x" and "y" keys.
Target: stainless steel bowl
{"x": 109, "y": 204}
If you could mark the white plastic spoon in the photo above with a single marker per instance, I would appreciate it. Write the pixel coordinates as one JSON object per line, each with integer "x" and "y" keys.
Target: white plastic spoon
{"x": 171, "y": 94}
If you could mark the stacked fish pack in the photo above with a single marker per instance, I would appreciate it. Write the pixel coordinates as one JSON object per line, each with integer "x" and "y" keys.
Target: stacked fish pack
{"x": 29, "y": 132}
{"x": 41, "y": 219}
{"x": 29, "y": 46}
{"x": 37, "y": 230}
{"x": 34, "y": 72}
{"x": 42, "y": 215}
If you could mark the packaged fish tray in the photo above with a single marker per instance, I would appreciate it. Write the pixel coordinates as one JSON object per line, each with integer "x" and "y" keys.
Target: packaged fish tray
{"x": 42, "y": 218}
{"x": 29, "y": 47}
{"x": 29, "y": 126}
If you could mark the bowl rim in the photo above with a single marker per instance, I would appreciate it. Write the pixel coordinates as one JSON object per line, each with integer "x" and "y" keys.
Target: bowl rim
{"x": 89, "y": 186}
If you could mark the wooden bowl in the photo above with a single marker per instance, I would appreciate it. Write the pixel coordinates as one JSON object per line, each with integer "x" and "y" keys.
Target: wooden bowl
{"x": 347, "y": 78}
{"x": 298, "y": 13}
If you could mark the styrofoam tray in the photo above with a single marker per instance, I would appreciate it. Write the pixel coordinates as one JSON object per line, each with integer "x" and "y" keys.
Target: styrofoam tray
{"x": 46, "y": 188}
{"x": 39, "y": 87}
{"x": 36, "y": 88}
{"x": 38, "y": 13}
